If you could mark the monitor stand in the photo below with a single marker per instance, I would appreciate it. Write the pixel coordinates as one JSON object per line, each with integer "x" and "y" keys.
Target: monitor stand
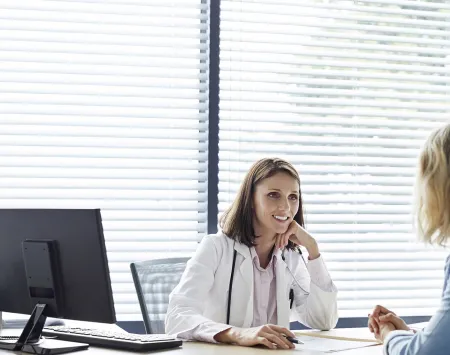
{"x": 31, "y": 340}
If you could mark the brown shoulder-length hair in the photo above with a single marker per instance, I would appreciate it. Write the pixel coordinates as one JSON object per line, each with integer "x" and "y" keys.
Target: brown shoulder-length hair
{"x": 237, "y": 220}
{"x": 433, "y": 188}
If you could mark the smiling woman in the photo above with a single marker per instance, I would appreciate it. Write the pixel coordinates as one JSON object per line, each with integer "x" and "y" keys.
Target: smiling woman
{"x": 243, "y": 283}
{"x": 267, "y": 207}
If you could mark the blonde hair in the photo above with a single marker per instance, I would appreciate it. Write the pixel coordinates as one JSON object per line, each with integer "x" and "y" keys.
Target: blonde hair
{"x": 433, "y": 188}
{"x": 237, "y": 220}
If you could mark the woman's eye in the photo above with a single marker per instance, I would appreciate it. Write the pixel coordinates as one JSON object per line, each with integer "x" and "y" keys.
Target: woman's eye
{"x": 273, "y": 194}
{"x": 293, "y": 197}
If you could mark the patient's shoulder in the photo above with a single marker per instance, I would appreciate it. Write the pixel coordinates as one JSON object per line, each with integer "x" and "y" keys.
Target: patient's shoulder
{"x": 447, "y": 266}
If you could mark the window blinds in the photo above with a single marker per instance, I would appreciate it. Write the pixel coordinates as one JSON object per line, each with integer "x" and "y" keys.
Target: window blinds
{"x": 346, "y": 91}
{"x": 103, "y": 104}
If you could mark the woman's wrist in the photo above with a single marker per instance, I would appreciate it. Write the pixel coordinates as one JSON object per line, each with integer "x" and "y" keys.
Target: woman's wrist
{"x": 227, "y": 336}
{"x": 313, "y": 249}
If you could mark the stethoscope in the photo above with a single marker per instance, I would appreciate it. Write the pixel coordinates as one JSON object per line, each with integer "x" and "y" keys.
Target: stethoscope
{"x": 291, "y": 291}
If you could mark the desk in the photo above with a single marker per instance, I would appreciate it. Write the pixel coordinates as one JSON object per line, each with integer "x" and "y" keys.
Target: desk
{"x": 195, "y": 348}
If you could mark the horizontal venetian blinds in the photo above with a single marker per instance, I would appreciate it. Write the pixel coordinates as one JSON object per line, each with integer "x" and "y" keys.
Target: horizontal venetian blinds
{"x": 346, "y": 91}
{"x": 103, "y": 104}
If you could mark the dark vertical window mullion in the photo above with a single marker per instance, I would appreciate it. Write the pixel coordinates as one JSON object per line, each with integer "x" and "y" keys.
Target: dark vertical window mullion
{"x": 213, "y": 130}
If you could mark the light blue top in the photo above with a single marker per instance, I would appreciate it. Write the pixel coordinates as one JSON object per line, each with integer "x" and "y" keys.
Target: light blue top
{"x": 434, "y": 339}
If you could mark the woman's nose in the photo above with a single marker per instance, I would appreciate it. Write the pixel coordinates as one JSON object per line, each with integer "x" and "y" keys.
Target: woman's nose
{"x": 283, "y": 205}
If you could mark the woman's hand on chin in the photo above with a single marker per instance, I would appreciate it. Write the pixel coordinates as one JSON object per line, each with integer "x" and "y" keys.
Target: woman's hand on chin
{"x": 299, "y": 236}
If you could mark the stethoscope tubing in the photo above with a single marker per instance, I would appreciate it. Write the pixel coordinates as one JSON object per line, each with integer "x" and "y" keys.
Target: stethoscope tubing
{"x": 230, "y": 287}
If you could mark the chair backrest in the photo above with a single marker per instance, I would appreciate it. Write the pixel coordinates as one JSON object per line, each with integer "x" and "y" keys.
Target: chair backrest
{"x": 154, "y": 280}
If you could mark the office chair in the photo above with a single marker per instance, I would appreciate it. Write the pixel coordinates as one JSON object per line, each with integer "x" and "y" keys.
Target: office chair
{"x": 154, "y": 280}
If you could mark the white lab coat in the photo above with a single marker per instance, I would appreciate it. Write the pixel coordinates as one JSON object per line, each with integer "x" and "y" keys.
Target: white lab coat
{"x": 202, "y": 294}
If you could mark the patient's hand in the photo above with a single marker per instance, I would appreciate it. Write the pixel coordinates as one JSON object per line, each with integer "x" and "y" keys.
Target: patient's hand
{"x": 373, "y": 318}
{"x": 382, "y": 321}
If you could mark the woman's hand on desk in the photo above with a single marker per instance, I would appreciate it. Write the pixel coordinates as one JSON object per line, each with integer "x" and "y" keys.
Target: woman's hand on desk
{"x": 271, "y": 336}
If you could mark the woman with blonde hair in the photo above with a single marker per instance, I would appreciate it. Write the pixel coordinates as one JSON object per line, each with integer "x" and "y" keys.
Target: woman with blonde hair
{"x": 433, "y": 222}
{"x": 242, "y": 283}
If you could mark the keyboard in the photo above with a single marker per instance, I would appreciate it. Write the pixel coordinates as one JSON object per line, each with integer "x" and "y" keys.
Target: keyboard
{"x": 110, "y": 339}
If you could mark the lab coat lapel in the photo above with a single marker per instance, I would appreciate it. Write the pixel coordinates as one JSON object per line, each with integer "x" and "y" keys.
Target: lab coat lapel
{"x": 246, "y": 273}
{"x": 283, "y": 310}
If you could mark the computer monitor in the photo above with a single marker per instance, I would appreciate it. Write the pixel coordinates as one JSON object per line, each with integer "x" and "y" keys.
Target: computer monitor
{"x": 53, "y": 263}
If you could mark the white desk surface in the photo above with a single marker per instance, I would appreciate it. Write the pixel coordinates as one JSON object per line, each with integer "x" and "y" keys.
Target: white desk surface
{"x": 196, "y": 348}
